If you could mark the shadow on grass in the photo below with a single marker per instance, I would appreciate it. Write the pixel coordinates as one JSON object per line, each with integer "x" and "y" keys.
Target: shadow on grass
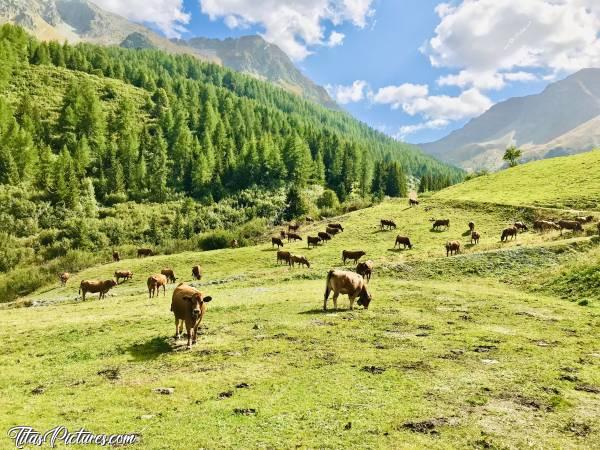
{"x": 469, "y": 245}
{"x": 467, "y": 233}
{"x": 272, "y": 249}
{"x": 437, "y": 230}
{"x": 315, "y": 311}
{"x": 151, "y": 349}
{"x": 398, "y": 250}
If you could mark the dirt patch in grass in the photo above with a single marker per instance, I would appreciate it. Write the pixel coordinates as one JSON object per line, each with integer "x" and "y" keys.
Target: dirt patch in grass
{"x": 425, "y": 426}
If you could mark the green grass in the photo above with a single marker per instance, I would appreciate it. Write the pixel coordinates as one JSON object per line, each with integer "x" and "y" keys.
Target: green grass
{"x": 469, "y": 345}
{"x": 565, "y": 182}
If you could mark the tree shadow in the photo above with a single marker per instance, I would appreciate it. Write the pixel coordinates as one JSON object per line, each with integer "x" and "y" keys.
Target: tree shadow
{"x": 151, "y": 349}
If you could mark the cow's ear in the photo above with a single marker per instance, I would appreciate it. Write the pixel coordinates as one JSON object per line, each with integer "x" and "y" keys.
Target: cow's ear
{"x": 207, "y": 299}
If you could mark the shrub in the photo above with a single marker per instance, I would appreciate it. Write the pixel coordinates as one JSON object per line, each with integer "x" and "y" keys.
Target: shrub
{"x": 214, "y": 240}
{"x": 328, "y": 200}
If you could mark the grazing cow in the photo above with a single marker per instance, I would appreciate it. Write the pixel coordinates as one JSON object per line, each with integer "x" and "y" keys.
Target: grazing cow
{"x": 294, "y": 237}
{"x": 95, "y": 286}
{"x": 572, "y": 225}
{"x": 276, "y": 242}
{"x": 300, "y": 260}
{"x": 124, "y": 274}
{"x": 313, "y": 240}
{"x": 509, "y": 232}
{"x": 452, "y": 248}
{"x": 365, "y": 269}
{"x": 336, "y": 225}
{"x": 169, "y": 274}
{"x": 284, "y": 257}
{"x": 404, "y": 240}
{"x": 282, "y": 234}
{"x": 412, "y": 202}
{"x": 295, "y": 227}
{"x": 234, "y": 243}
{"x": 188, "y": 305}
{"x": 471, "y": 227}
{"x": 352, "y": 255}
{"x": 332, "y": 231}
{"x": 197, "y": 272}
{"x": 154, "y": 283}
{"x": 390, "y": 224}
{"x": 543, "y": 225}
{"x": 346, "y": 283}
{"x": 584, "y": 219}
{"x": 475, "y": 237}
{"x": 116, "y": 256}
{"x": 440, "y": 223}
{"x": 309, "y": 219}
{"x": 144, "y": 252}
{"x": 520, "y": 226}
{"x": 324, "y": 236}
{"x": 64, "y": 277}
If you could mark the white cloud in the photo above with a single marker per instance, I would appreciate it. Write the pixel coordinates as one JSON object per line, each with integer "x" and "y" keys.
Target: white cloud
{"x": 168, "y": 15}
{"x": 470, "y": 103}
{"x": 348, "y": 94}
{"x": 489, "y": 80}
{"x": 294, "y": 25}
{"x": 435, "y": 124}
{"x": 400, "y": 95}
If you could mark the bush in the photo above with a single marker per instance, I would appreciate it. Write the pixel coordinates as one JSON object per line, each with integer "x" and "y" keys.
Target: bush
{"x": 328, "y": 200}
{"x": 215, "y": 240}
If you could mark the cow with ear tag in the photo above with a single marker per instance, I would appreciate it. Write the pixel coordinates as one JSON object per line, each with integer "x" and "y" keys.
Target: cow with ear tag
{"x": 188, "y": 305}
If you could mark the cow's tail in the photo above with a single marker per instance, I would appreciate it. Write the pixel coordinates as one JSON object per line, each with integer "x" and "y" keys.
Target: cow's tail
{"x": 327, "y": 286}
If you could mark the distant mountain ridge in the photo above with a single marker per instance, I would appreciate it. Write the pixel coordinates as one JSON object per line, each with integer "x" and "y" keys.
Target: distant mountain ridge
{"x": 563, "y": 119}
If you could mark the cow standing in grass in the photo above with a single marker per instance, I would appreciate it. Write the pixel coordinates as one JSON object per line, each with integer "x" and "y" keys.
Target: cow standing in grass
{"x": 440, "y": 223}
{"x": 142, "y": 252}
{"x": 352, "y": 255}
{"x": 313, "y": 240}
{"x": 96, "y": 286}
{"x": 520, "y": 226}
{"x": 284, "y": 257}
{"x": 572, "y": 225}
{"x": 188, "y": 305}
{"x": 336, "y": 226}
{"x": 300, "y": 260}
{"x": 154, "y": 283}
{"x": 64, "y": 277}
{"x": 197, "y": 273}
{"x": 389, "y": 224}
{"x": 123, "y": 274}
{"x": 365, "y": 269}
{"x": 324, "y": 236}
{"x": 169, "y": 274}
{"x": 475, "y": 237}
{"x": 471, "y": 227}
{"x": 332, "y": 231}
{"x": 116, "y": 257}
{"x": 402, "y": 240}
{"x": 294, "y": 237}
{"x": 544, "y": 225}
{"x": 452, "y": 248}
{"x": 510, "y": 232}
{"x": 348, "y": 283}
{"x": 276, "y": 242}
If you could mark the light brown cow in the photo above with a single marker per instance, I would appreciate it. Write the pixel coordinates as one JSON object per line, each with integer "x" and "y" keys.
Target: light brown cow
{"x": 452, "y": 248}
{"x": 234, "y": 243}
{"x": 324, "y": 236}
{"x": 402, "y": 240}
{"x": 352, "y": 255}
{"x": 300, "y": 260}
{"x": 572, "y": 225}
{"x": 521, "y": 226}
{"x": 386, "y": 223}
{"x": 116, "y": 256}
{"x": 284, "y": 257}
{"x": 365, "y": 269}
{"x": 275, "y": 241}
{"x": 154, "y": 283}
{"x": 169, "y": 274}
{"x": 125, "y": 274}
{"x": 313, "y": 240}
{"x": 294, "y": 237}
{"x": 543, "y": 225}
{"x": 508, "y": 232}
{"x": 188, "y": 305}
{"x": 332, "y": 231}
{"x": 346, "y": 283}
{"x": 144, "y": 252}
{"x": 64, "y": 277}
{"x": 95, "y": 286}
{"x": 336, "y": 225}
{"x": 475, "y": 237}
{"x": 197, "y": 272}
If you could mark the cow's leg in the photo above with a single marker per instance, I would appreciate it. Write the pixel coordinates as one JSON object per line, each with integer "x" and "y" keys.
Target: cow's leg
{"x": 351, "y": 298}
{"x": 83, "y": 296}
{"x": 194, "y": 339}
{"x": 188, "y": 329}
{"x": 176, "y": 328}
{"x": 335, "y": 297}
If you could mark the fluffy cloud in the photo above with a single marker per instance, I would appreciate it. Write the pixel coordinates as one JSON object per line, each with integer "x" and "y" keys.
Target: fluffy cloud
{"x": 397, "y": 96}
{"x": 168, "y": 15}
{"x": 295, "y": 26}
{"x": 356, "y": 92}
{"x": 435, "y": 124}
{"x": 484, "y": 80}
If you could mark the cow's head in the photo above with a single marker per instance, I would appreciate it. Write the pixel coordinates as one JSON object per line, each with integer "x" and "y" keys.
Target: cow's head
{"x": 307, "y": 263}
{"x": 112, "y": 283}
{"x": 364, "y": 298}
{"x": 197, "y": 301}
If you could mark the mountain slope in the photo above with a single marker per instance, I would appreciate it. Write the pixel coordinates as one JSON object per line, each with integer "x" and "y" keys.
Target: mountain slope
{"x": 543, "y": 125}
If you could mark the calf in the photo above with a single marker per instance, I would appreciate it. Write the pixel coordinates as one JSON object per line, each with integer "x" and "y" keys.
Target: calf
{"x": 389, "y": 224}
{"x": 124, "y": 274}
{"x": 116, "y": 257}
{"x": 475, "y": 237}
{"x": 188, "y": 305}
{"x": 95, "y": 286}
{"x": 440, "y": 223}
{"x": 144, "y": 252}
{"x": 412, "y": 202}
{"x": 276, "y": 242}
{"x": 197, "y": 272}
{"x": 169, "y": 274}
{"x": 64, "y": 277}
{"x": 520, "y": 226}
{"x": 300, "y": 260}
{"x": 154, "y": 283}
{"x": 508, "y": 232}
{"x": 295, "y": 227}
{"x": 471, "y": 227}
{"x": 572, "y": 225}
{"x": 284, "y": 257}
{"x": 294, "y": 237}
{"x": 365, "y": 269}
{"x": 452, "y": 248}
{"x": 313, "y": 240}
{"x": 349, "y": 283}
{"x": 324, "y": 236}
{"x": 352, "y": 255}
{"x": 336, "y": 225}
{"x": 402, "y": 240}
{"x": 332, "y": 231}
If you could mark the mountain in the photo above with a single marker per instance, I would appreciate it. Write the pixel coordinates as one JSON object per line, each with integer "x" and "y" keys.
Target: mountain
{"x": 561, "y": 120}
{"x": 82, "y": 20}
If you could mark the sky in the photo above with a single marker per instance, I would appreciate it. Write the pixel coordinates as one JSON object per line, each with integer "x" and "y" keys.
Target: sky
{"x": 414, "y": 69}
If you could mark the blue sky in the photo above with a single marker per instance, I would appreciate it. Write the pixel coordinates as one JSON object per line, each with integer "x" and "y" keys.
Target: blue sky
{"x": 415, "y": 69}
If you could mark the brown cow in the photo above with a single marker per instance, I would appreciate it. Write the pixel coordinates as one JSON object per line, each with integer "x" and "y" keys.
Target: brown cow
{"x": 64, "y": 277}
{"x": 336, "y": 225}
{"x": 197, "y": 272}
{"x": 234, "y": 243}
{"x": 275, "y": 241}
{"x": 300, "y": 260}
{"x": 332, "y": 231}
{"x": 508, "y": 232}
{"x": 285, "y": 257}
{"x": 352, "y": 255}
{"x": 520, "y": 226}
{"x": 572, "y": 225}
{"x": 154, "y": 283}
{"x": 402, "y": 240}
{"x": 452, "y": 248}
{"x": 471, "y": 227}
{"x": 125, "y": 274}
{"x": 144, "y": 252}
{"x": 188, "y": 305}
{"x": 294, "y": 237}
{"x": 295, "y": 227}
{"x": 365, "y": 269}
{"x": 324, "y": 236}
{"x": 475, "y": 237}
{"x": 390, "y": 224}
{"x": 116, "y": 256}
{"x": 95, "y": 286}
{"x": 169, "y": 274}
{"x": 282, "y": 234}
{"x": 309, "y": 219}
{"x": 350, "y": 283}
{"x": 313, "y": 240}
{"x": 584, "y": 219}
{"x": 412, "y": 202}
{"x": 543, "y": 225}
{"x": 440, "y": 223}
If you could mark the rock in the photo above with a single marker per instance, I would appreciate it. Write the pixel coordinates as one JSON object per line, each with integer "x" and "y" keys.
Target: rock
{"x": 245, "y": 411}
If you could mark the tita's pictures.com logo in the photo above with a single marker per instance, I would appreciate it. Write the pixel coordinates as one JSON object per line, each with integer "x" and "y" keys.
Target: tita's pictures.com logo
{"x": 24, "y": 435}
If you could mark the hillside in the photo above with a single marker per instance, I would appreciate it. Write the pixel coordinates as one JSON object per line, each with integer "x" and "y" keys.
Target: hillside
{"x": 564, "y": 182}
{"x": 558, "y": 121}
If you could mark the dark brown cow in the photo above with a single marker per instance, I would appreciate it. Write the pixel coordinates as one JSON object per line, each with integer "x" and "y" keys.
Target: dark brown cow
{"x": 389, "y": 224}
{"x": 349, "y": 283}
{"x": 352, "y": 255}
{"x": 510, "y": 232}
{"x": 584, "y": 219}
{"x": 572, "y": 225}
{"x": 313, "y": 240}
{"x": 475, "y": 237}
{"x": 294, "y": 237}
{"x": 124, "y": 274}
{"x": 197, "y": 272}
{"x": 300, "y": 260}
{"x": 64, "y": 277}
{"x": 95, "y": 286}
{"x": 440, "y": 223}
{"x": 365, "y": 269}
{"x": 282, "y": 234}
{"x": 324, "y": 236}
{"x": 412, "y": 202}
{"x": 336, "y": 225}
{"x": 402, "y": 240}
{"x": 332, "y": 231}
{"x": 309, "y": 219}
{"x": 169, "y": 274}
{"x": 154, "y": 283}
{"x": 276, "y": 242}
{"x": 471, "y": 227}
{"x": 144, "y": 252}
{"x": 452, "y": 248}
{"x": 543, "y": 225}
{"x": 520, "y": 226}
{"x": 188, "y": 305}
{"x": 284, "y": 257}
{"x": 116, "y": 256}
{"x": 295, "y": 227}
